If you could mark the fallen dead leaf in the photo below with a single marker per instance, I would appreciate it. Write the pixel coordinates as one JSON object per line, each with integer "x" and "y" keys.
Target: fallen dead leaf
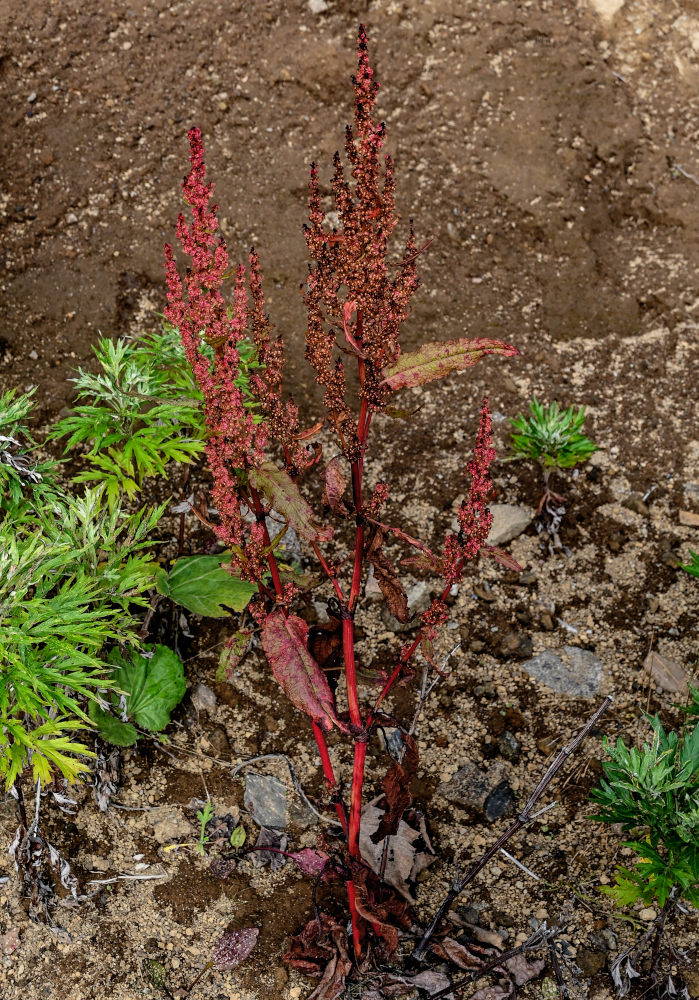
{"x": 407, "y": 853}
{"x": 669, "y": 674}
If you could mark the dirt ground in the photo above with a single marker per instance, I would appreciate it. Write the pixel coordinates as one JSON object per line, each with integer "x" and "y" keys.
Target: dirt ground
{"x": 550, "y": 149}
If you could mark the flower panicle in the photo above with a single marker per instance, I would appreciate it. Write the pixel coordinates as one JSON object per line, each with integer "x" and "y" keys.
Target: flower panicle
{"x": 474, "y": 517}
{"x": 350, "y": 262}
{"x": 237, "y": 439}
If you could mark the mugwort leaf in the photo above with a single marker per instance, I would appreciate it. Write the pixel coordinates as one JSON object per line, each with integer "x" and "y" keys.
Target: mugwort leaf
{"x": 440, "y": 358}
{"x": 284, "y": 640}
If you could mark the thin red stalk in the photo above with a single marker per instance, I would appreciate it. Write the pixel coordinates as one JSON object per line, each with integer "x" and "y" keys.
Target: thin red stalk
{"x": 331, "y": 575}
{"x": 403, "y": 659}
{"x": 329, "y": 772}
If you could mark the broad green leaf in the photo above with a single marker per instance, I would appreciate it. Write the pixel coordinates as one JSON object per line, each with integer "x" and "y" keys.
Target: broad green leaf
{"x": 154, "y": 685}
{"x": 200, "y": 584}
{"x": 283, "y": 493}
{"x": 113, "y": 730}
{"x": 440, "y": 358}
{"x": 284, "y": 640}
{"x": 238, "y": 837}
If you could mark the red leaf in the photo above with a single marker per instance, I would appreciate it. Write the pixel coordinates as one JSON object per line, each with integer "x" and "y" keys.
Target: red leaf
{"x": 322, "y": 949}
{"x": 335, "y": 483}
{"x": 504, "y": 558}
{"x": 234, "y": 947}
{"x": 284, "y": 640}
{"x": 440, "y": 358}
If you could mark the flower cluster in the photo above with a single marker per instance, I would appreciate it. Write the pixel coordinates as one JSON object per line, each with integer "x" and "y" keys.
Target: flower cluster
{"x": 474, "y": 517}
{"x": 211, "y": 332}
{"x": 350, "y": 271}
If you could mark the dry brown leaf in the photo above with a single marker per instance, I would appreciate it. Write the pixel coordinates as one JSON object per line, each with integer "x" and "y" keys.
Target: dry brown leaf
{"x": 407, "y": 853}
{"x": 522, "y": 970}
{"x": 669, "y": 674}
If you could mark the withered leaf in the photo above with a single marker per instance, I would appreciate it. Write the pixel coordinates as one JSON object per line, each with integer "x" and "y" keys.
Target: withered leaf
{"x": 325, "y": 644}
{"x": 440, "y": 358}
{"x": 322, "y": 949}
{"x": 407, "y": 853}
{"x": 500, "y": 556}
{"x": 285, "y": 497}
{"x": 386, "y": 577}
{"x": 396, "y": 788}
{"x": 277, "y": 840}
{"x": 284, "y": 640}
{"x": 522, "y": 970}
{"x": 335, "y": 484}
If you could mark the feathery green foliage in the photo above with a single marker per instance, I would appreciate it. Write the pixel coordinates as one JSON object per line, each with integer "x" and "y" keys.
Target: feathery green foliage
{"x": 654, "y": 794}
{"x": 692, "y": 567}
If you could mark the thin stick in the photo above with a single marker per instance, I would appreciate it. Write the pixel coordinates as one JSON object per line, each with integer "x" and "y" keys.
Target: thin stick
{"x": 524, "y": 817}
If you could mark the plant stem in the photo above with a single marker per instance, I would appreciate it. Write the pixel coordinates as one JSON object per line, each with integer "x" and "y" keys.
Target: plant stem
{"x": 524, "y": 817}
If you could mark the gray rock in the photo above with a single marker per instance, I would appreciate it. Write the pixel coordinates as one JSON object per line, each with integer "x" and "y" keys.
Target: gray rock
{"x": 509, "y": 521}
{"x": 486, "y": 792}
{"x": 573, "y": 671}
{"x": 265, "y": 799}
{"x": 509, "y": 746}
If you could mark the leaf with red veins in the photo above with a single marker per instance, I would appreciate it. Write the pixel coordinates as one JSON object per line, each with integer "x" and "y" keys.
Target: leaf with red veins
{"x": 441, "y": 358}
{"x": 285, "y": 642}
{"x": 285, "y": 497}
{"x": 424, "y": 564}
{"x": 502, "y": 557}
{"x": 335, "y": 484}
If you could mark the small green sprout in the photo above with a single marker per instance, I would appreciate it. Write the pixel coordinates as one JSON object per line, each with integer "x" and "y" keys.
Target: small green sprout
{"x": 204, "y": 816}
{"x": 238, "y": 836}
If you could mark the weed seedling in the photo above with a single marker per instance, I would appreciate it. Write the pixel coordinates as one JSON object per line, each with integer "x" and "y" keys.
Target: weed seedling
{"x": 204, "y": 816}
{"x": 552, "y": 437}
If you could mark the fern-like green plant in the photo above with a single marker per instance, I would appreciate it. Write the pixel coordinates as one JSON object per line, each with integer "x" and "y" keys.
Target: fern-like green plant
{"x": 25, "y": 481}
{"x": 69, "y": 580}
{"x": 691, "y": 567}
{"x": 552, "y": 436}
{"x": 653, "y": 793}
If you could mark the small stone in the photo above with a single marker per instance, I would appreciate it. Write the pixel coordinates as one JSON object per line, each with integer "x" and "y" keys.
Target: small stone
{"x": 509, "y": 746}
{"x": 476, "y": 646}
{"x": 637, "y": 504}
{"x": 100, "y": 864}
{"x": 668, "y": 674}
{"x": 32, "y": 97}
{"x": 218, "y": 738}
{"x": 547, "y": 622}
{"x": 71, "y": 219}
{"x": 502, "y": 919}
{"x": 647, "y": 914}
{"x": 689, "y": 519}
{"x": 265, "y": 799}
{"x": 221, "y": 868}
{"x": 575, "y": 672}
{"x": 509, "y": 521}
{"x": 486, "y": 792}
{"x": 203, "y": 698}
{"x": 516, "y": 644}
{"x": 33, "y": 355}
{"x": 485, "y": 690}
{"x": 317, "y": 6}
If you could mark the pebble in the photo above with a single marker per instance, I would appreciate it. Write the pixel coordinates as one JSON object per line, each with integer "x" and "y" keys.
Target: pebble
{"x": 265, "y": 799}
{"x": 317, "y": 6}
{"x": 509, "y": 746}
{"x": 509, "y": 521}
{"x": 648, "y": 914}
{"x": 203, "y": 698}
{"x": 517, "y": 644}
{"x": 572, "y": 671}
{"x": 637, "y": 504}
{"x": 169, "y": 823}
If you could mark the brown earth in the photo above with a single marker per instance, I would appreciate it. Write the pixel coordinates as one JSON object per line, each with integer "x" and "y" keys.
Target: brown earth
{"x": 551, "y": 150}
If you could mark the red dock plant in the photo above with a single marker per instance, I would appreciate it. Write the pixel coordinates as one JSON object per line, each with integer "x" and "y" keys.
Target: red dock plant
{"x": 258, "y": 457}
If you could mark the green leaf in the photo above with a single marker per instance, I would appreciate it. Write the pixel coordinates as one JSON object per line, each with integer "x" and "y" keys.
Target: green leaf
{"x": 113, "y": 730}
{"x": 200, "y": 584}
{"x": 154, "y": 685}
{"x": 238, "y": 836}
{"x": 440, "y": 358}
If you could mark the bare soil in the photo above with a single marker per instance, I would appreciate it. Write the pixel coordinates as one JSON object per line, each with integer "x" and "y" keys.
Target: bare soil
{"x": 551, "y": 150}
